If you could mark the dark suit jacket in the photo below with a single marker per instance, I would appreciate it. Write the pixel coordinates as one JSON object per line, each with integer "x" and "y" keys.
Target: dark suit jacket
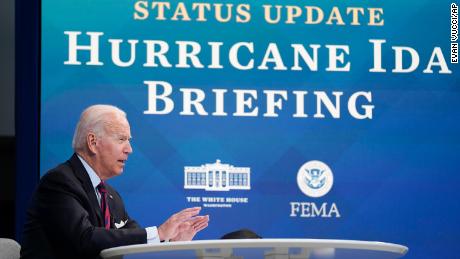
{"x": 64, "y": 219}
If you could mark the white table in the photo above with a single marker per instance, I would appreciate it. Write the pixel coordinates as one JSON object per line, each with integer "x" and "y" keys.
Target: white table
{"x": 261, "y": 248}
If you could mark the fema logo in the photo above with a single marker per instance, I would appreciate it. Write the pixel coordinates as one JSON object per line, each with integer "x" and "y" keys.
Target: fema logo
{"x": 315, "y": 179}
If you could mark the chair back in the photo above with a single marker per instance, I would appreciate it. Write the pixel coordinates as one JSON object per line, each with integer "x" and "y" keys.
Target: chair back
{"x": 9, "y": 249}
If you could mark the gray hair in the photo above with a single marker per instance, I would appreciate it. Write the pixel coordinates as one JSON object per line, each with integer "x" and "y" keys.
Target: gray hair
{"x": 93, "y": 119}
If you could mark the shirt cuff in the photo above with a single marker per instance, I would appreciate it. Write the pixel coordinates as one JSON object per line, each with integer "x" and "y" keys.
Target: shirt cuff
{"x": 152, "y": 235}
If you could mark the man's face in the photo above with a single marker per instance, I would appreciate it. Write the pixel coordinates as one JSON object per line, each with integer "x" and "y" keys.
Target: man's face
{"x": 113, "y": 148}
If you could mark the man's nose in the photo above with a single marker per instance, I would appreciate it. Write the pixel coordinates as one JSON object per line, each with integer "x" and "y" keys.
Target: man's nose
{"x": 128, "y": 148}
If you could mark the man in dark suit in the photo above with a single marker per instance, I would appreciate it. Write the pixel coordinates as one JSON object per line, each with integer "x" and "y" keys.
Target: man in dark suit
{"x": 74, "y": 213}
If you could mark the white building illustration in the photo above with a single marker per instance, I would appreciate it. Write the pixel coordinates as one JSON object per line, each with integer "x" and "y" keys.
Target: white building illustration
{"x": 217, "y": 177}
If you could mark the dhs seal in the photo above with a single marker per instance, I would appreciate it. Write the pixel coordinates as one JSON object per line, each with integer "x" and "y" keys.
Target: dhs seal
{"x": 315, "y": 179}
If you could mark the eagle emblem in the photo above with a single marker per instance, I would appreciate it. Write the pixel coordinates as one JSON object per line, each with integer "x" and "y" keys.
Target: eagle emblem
{"x": 314, "y": 178}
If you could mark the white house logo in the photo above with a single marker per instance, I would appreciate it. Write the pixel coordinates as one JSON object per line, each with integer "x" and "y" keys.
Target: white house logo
{"x": 217, "y": 177}
{"x": 315, "y": 179}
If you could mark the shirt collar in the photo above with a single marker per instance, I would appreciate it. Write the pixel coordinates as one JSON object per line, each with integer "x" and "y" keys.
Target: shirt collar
{"x": 95, "y": 180}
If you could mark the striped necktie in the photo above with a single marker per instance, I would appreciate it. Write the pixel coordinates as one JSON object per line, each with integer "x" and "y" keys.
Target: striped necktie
{"x": 104, "y": 206}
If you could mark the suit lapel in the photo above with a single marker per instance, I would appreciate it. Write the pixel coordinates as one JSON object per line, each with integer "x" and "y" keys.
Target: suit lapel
{"x": 83, "y": 177}
{"x": 111, "y": 204}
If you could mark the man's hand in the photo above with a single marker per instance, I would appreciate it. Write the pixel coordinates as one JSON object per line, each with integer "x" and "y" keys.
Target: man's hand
{"x": 188, "y": 229}
{"x": 170, "y": 228}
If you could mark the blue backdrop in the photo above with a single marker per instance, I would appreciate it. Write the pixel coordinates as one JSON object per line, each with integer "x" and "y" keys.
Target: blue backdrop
{"x": 395, "y": 175}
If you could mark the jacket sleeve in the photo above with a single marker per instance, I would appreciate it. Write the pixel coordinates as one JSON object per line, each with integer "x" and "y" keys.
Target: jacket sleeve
{"x": 64, "y": 214}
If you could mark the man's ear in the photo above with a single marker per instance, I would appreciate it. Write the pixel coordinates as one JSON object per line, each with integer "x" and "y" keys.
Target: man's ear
{"x": 91, "y": 141}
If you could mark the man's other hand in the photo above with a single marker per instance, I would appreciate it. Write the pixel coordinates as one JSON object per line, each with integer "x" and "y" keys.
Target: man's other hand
{"x": 170, "y": 228}
{"x": 188, "y": 229}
